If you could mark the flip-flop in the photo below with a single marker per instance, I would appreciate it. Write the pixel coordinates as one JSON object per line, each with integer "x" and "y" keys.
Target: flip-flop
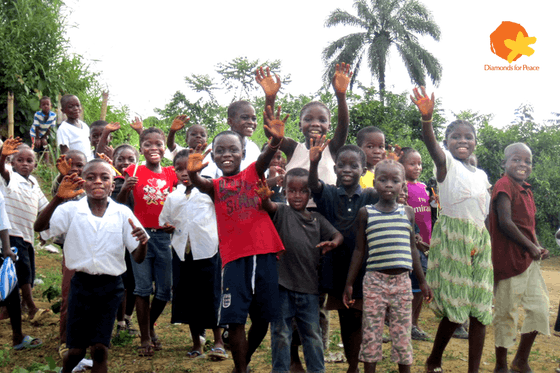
{"x": 40, "y": 315}
{"x": 218, "y": 354}
{"x": 195, "y": 355}
{"x": 28, "y": 343}
{"x": 156, "y": 343}
{"x": 145, "y": 351}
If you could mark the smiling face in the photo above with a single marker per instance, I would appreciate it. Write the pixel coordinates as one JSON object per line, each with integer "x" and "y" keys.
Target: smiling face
{"x": 276, "y": 159}
{"x": 389, "y": 181}
{"x": 180, "y": 166}
{"x": 153, "y": 147}
{"x": 374, "y": 147}
{"x": 72, "y": 108}
{"x": 78, "y": 163}
{"x": 297, "y": 192}
{"x": 461, "y": 142}
{"x": 227, "y": 153}
{"x": 519, "y": 163}
{"x": 23, "y": 162}
{"x": 98, "y": 180}
{"x": 124, "y": 158}
{"x": 413, "y": 166}
{"x": 349, "y": 169}
{"x": 196, "y": 135}
{"x": 244, "y": 120}
{"x": 314, "y": 122}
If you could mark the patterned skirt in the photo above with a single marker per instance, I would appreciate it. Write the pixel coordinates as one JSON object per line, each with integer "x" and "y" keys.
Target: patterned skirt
{"x": 460, "y": 271}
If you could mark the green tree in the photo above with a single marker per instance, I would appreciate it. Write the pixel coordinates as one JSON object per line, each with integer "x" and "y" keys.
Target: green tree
{"x": 385, "y": 23}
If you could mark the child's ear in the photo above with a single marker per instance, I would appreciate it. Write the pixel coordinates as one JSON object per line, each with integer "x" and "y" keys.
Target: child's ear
{"x": 229, "y": 121}
{"x": 364, "y": 170}
{"x": 212, "y": 155}
{"x": 503, "y": 163}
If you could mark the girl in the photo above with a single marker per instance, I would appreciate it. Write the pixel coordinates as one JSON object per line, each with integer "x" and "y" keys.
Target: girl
{"x": 460, "y": 263}
{"x": 386, "y": 231}
{"x": 150, "y": 185}
{"x": 419, "y": 200}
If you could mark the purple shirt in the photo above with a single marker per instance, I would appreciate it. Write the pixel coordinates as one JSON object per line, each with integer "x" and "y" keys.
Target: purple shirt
{"x": 419, "y": 200}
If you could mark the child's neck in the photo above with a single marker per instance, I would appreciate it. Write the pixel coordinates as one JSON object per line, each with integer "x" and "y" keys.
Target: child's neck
{"x": 370, "y": 167}
{"x": 386, "y": 205}
{"x": 154, "y": 167}
{"x": 74, "y": 122}
{"x": 413, "y": 181}
{"x": 350, "y": 190}
{"x": 98, "y": 206}
{"x": 305, "y": 212}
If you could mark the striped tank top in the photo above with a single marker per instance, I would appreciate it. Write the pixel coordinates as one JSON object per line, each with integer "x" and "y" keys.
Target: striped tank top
{"x": 388, "y": 239}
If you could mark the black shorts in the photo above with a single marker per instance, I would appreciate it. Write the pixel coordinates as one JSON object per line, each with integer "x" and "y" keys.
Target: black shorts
{"x": 25, "y": 266}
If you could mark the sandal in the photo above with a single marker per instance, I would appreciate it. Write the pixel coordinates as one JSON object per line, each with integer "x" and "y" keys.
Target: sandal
{"x": 195, "y": 355}
{"x": 218, "y": 354}
{"x": 62, "y": 349}
{"x": 145, "y": 351}
{"x": 28, "y": 342}
{"x": 156, "y": 343}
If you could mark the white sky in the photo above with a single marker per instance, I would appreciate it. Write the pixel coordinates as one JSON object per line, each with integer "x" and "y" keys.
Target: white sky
{"x": 144, "y": 49}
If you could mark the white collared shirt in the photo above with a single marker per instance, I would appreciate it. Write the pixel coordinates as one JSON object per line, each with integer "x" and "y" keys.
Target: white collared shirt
{"x": 93, "y": 244}
{"x": 194, "y": 219}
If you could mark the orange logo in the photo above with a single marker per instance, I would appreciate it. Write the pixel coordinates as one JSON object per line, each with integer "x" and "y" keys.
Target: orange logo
{"x": 510, "y": 41}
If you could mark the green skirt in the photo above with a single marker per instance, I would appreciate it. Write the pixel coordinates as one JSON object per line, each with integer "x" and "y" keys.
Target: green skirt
{"x": 460, "y": 271}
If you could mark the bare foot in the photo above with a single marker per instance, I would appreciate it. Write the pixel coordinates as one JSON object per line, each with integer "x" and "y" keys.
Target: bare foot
{"x": 519, "y": 367}
{"x": 32, "y": 313}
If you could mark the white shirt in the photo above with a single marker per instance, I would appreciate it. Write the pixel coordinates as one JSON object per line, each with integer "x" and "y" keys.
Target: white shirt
{"x": 252, "y": 153}
{"x": 75, "y": 138}
{"x": 24, "y": 200}
{"x": 93, "y": 244}
{"x": 4, "y": 221}
{"x": 194, "y": 219}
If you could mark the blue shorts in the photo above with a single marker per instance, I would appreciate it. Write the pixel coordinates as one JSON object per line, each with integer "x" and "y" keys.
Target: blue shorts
{"x": 250, "y": 287}
{"x": 25, "y": 266}
{"x": 413, "y": 281}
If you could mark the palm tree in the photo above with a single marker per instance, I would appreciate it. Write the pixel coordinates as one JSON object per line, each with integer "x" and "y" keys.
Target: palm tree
{"x": 386, "y": 23}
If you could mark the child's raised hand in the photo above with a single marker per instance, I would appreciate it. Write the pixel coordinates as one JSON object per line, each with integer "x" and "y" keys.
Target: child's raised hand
{"x": 263, "y": 191}
{"x": 68, "y": 188}
{"x": 427, "y": 292}
{"x": 341, "y": 78}
{"x": 317, "y": 146}
{"x": 196, "y": 156}
{"x": 424, "y": 103}
{"x": 138, "y": 232}
{"x": 179, "y": 122}
{"x": 63, "y": 165}
{"x": 137, "y": 124}
{"x": 130, "y": 183}
{"x": 347, "y": 296}
{"x": 112, "y": 127}
{"x": 274, "y": 125}
{"x": 168, "y": 228}
{"x": 10, "y": 146}
{"x": 326, "y": 246}
{"x": 267, "y": 82}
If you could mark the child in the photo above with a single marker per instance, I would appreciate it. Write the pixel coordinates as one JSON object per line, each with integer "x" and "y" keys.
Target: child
{"x": 386, "y": 231}
{"x": 248, "y": 241}
{"x": 372, "y": 141}
{"x": 304, "y": 234}
{"x": 73, "y": 133}
{"x": 43, "y": 121}
{"x": 460, "y": 263}
{"x": 275, "y": 176}
{"x": 196, "y": 135}
{"x": 95, "y": 131}
{"x": 24, "y": 200}
{"x": 97, "y": 229}
{"x": 150, "y": 184}
{"x": 516, "y": 255}
{"x": 340, "y": 205}
{"x": 419, "y": 200}
{"x": 102, "y": 145}
{"x": 195, "y": 260}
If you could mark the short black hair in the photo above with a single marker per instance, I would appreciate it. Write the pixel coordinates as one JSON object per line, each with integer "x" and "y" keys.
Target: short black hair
{"x": 184, "y": 153}
{"x": 390, "y": 162}
{"x": 74, "y": 152}
{"x": 355, "y": 149}
{"x": 361, "y": 135}
{"x": 123, "y": 147}
{"x": 229, "y": 132}
{"x": 65, "y": 99}
{"x": 149, "y": 131}
{"x": 234, "y": 107}
{"x": 405, "y": 152}
{"x": 295, "y": 172}
{"x": 44, "y": 98}
{"x": 314, "y": 103}
{"x": 98, "y": 123}
{"x": 196, "y": 124}
{"x": 93, "y": 162}
{"x": 451, "y": 127}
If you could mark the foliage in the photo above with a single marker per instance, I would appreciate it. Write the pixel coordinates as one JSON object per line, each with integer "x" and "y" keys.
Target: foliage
{"x": 38, "y": 367}
{"x": 4, "y": 357}
{"x": 123, "y": 338}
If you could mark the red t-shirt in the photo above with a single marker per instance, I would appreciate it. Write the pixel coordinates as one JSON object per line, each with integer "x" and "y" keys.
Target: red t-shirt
{"x": 244, "y": 228}
{"x": 150, "y": 193}
{"x": 510, "y": 259}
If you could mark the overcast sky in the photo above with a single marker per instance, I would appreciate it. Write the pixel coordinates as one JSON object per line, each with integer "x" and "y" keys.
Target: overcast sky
{"x": 144, "y": 49}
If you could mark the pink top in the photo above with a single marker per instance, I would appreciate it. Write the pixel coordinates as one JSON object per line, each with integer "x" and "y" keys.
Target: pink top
{"x": 419, "y": 200}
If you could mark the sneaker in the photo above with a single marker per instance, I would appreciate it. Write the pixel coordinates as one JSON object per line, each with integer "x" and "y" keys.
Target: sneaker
{"x": 418, "y": 334}
{"x": 461, "y": 333}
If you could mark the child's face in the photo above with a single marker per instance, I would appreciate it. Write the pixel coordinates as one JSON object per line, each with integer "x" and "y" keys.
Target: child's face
{"x": 519, "y": 164}
{"x": 244, "y": 121}
{"x": 153, "y": 148}
{"x": 277, "y": 160}
{"x": 315, "y": 122}
{"x": 374, "y": 147}
{"x": 23, "y": 162}
{"x": 95, "y": 135}
{"x": 72, "y": 108}
{"x": 413, "y": 166}
{"x": 78, "y": 163}
{"x": 389, "y": 181}
{"x": 349, "y": 169}
{"x": 227, "y": 153}
{"x": 461, "y": 142}
{"x": 124, "y": 159}
{"x": 297, "y": 192}
{"x": 403, "y": 196}
{"x": 181, "y": 170}
{"x": 98, "y": 180}
{"x": 196, "y": 136}
{"x": 46, "y": 106}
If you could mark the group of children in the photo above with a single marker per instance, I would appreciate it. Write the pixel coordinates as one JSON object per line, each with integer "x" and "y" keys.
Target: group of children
{"x": 354, "y": 223}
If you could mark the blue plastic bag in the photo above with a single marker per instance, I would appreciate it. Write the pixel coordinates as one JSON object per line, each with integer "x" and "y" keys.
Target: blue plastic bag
{"x": 8, "y": 278}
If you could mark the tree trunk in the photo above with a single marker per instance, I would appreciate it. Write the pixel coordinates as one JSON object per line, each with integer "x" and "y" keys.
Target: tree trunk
{"x": 10, "y": 114}
{"x": 104, "y": 106}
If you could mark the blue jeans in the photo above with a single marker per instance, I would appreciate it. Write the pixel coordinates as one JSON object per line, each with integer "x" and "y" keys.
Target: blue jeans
{"x": 305, "y": 309}
{"x": 156, "y": 267}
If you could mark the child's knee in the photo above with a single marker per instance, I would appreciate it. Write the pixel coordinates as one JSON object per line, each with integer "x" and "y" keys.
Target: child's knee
{"x": 99, "y": 352}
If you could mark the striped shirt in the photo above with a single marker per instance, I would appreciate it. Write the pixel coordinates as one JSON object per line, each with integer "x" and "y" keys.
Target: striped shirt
{"x": 41, "y": 123}
{"x": 388, "y": 239}
{"x": 24, "y": 200}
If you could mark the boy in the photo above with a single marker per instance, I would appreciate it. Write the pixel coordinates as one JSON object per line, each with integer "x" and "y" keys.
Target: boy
{"x": 372, "y": 141}
{"x": 73, "y": 133}
{"x": 101, "y": 139}
{"x": 43, "y": 121}
{"x": 97, "y": 229}
{"x": 96, "y": 130}
{"x": 516, "y": 256}
{"x": 303, "y": 234}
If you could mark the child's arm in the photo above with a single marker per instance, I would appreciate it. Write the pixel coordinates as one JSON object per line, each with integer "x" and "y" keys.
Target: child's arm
{"x": 177, "y": 124}
{"x": 357, "y": 258}
{"x": 104, "y": 139}
{"x": 10, "y": 147}
{"x": 340, "y": 82}
{"x": 426, "y": 107}
{"x": 140, "y": 252}
{"x": 129, "y": 184}
{"x": 315, "y": 154}
{"x": 336, "y": 241}
{"x": 195, "y": 165}
{"x": 416, "y": 265}
{"x": 264, "y": 193}
{"x": 66, "y": 190}
{"x": 6, "y": 248}
{"x": 275, "y": 128}
{"x": 511, "y": 231}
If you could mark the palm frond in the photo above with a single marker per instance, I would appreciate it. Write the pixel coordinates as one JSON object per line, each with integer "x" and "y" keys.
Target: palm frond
{"x": 342, "y": 17}
{"x": 346, "y": 49}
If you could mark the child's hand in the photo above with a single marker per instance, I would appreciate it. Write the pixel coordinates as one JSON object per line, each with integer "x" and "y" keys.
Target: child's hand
{"x": 424, "y": 103}
{"x": 422, "y": 246}
{"x": 168, "y": 228}
{"x": 68, "y": 188}
{"x": 105, "y": 158}
{"x": 263, "y": 191}
{"x": 112, "y": 127}
{"x": 267, "y": 82}
{"x": 8, "y": 253}
{"x": 347, "y": 296}
{"x": 63, "y": 166}
{"x": 179, "y": 122}
{"x": 534, "y": 252}
{"x": 427, "y": 292}
{"x": 545, "y": 254}
{"x": 130, "y": 183}
{"x": 326, "y": 246}
{"x": 316, "y": 149}
{"x": 196, "y": 156}
{"x": 137, "y": 124}
{"x": 139, "y": 233}
{"x": 341, "y": 78}
{"x": 274, "y": 125}
{"x": 10, "y": 146}
{"x": 277, "y": 175}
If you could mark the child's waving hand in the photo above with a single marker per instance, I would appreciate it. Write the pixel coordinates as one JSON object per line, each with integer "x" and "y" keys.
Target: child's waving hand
{"x": 424, "y": 103}
{"x": 179, "y": 122}
{"x": 274, "y": 125}
{"x": 69, "y": 187}
{"x": 137, "y": 124}
{"x": 196, "y": 156}
{"x": 63, "y": 165}
{"x": 317, "y": 147}
{"x": 267, "y": 82}
{"x": 10, "y": 146}
{"x": 112, "y": 127}
{"x": 341, "y": 78}
{"x": 263, "y": 191}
